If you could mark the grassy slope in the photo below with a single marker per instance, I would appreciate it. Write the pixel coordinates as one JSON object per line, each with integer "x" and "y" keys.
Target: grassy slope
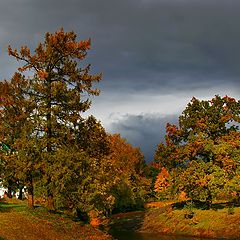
{"x": 17, "y": 222}
{"x": 205, "y": 223}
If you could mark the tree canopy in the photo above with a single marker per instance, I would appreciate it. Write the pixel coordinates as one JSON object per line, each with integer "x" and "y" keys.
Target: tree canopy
{"x": 67, "y": 160}
{"x": 202, "y": 152}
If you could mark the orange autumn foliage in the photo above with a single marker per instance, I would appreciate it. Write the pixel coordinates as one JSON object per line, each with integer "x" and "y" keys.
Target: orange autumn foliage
{"x": 42, "y": 74}
{"x": 126, "y": 158}
{"x": 182, "y": 196}
{"x": 162, "y": 181}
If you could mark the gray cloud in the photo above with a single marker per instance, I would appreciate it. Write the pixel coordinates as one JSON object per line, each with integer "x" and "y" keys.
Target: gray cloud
{"x": 154, "y": 54}
{"x": 145, "y": 131}
{"x": 139, "y": 40}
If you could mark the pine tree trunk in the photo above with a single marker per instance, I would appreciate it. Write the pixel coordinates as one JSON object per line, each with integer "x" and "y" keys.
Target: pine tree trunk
{"x": 50, "y": 201}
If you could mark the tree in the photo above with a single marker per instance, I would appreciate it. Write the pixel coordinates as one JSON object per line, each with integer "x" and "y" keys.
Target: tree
{"x": 59, "y": 90}
{"x": 15, "y": 127}
{"x": 212, "y": 118}
{"x": 130, "y": 174}
{"x": 200, "y": 122}
{"x": 207, "y": 138}
{"x": 162, "y": 181}
{"x": 203, "y": 181}
{"x": 83, "y": 173}
{"x": 92, "y": 137}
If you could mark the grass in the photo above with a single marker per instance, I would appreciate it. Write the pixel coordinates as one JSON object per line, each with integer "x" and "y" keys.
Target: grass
{"x": 217, "y": 222}
{"x": 18, "y": 223}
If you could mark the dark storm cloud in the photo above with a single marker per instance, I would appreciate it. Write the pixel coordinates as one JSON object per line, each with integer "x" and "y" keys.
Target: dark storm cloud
{"x": 154, "y": 54}
{"x": 138, "y": 44}
{"x": 175, "y": 44}
{"x": 145, "y": 131}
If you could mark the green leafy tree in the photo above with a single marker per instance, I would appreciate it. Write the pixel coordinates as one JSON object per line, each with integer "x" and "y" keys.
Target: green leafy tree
{"x": 83, "y": 173}
{"x": 203, "y": 181}
{"x": 209, "y": 118}
{"x": 16, "y": 126}
{"x": 92, "y": 137}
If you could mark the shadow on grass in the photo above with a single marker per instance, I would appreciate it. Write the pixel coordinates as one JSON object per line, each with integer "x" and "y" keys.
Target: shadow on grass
{"x": 8, "y": 207}
{"x": 201, "y": 205}
{"x": 129, "y": 222}
{"x": 1, "y": 238}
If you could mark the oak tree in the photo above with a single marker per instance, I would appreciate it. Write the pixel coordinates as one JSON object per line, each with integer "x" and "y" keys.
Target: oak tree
{"x": 204, "y": 146}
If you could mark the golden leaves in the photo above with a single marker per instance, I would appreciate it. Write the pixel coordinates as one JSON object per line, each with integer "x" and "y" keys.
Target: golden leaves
{"x": 25, "y": 51}
{"x": 171, "y": 129}
{"x": 12, "y": 52}
{"x": 42, "y": 74}
{"x": 229, "y": 99}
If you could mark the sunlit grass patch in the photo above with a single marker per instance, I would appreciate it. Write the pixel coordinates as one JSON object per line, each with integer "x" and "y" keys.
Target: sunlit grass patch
{"x": 216, "y": 222}
{"x": 19, "y": 222}
{"x": 12, "y": 204}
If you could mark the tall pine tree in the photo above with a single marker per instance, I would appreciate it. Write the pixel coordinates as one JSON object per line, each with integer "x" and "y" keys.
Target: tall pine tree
{"x": 60, "y": 89}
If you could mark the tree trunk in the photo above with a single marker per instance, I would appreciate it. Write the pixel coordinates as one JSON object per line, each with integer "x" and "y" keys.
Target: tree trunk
{"x": 9, "y": 192}
{"x": 30, "y": 191}
{"x": 30, "y": 200}
{"x": 209, "y": 200}
{"x": 50, "y": 199}
{"x": 20, "y": 196}
{"x": 50, "y": 202}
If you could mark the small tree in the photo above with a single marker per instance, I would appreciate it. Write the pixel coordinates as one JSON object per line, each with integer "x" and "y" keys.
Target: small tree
{"x": 129, "y": 172}
{"x": 162, "y": 182}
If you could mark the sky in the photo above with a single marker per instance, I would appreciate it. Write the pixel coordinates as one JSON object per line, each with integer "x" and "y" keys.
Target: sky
{"x": 155, "y": 55}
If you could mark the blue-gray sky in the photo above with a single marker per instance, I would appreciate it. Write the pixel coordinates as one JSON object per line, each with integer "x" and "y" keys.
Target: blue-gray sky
{"x": 155, "y": 55}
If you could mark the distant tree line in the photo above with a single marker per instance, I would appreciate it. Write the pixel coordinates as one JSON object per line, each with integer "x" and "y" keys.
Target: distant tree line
{"x": 69, "y": 162}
